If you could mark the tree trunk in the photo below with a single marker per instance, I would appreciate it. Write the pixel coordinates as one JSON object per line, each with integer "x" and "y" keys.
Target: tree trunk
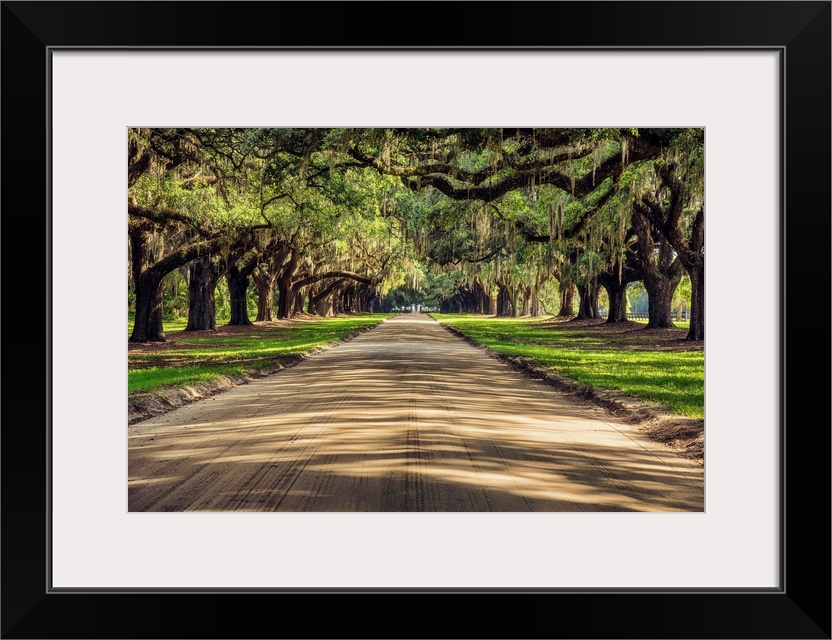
{"x": 265, "y": 276}
{"x": 567, "y": 297}
{"x": 322, "y": 305}
{"x": 285, "y": 290}
{"x": 482, "y": 300}
{"x": 314, "y": 290}
{"x": 264, "y": 283}
{"x": 147, "y": 322}
{"x": 661, "y": 272}
{"x": 689, "y": 246}
{"x": 320, "y": 298}
{"x": 299, "y": 300}
{"x": 697, "y": 304}
{"x": 237, "y": 288}
{"x": 660, "y": 303}
{"x": 485, "y": 303}
{"x": 348, "y": 300}
{"x": 505, "y": 304}
{"x": 617, "y": 293}
{"x": 588, "y": 301}
{"x": 534, "y": 306}
{"x": 618, "y": 304}
{"x": 284, "y": 297}
{"x": 147, "y": 325}
{"x": 527, "y": 299}
{"x": 362, "y": 301}
{"x": 202, "y": 314}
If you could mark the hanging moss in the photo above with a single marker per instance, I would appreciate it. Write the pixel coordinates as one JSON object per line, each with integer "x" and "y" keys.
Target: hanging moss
{"x": 596, "y": 161}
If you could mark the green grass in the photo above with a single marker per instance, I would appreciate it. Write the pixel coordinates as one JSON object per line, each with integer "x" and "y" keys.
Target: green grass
{"x": 199, "y": 359}
{"x": 139, "y": 380}
{"x": 601, "y": 360}
{"x": 681, "y": 324}
{"x": 167, "y": 325}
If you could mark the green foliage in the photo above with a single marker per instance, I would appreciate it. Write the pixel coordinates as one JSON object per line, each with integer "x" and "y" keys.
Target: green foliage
{"x": 682, "y": 292}
{"x": 353, "y": 200}
{"x": 673, "y": 378}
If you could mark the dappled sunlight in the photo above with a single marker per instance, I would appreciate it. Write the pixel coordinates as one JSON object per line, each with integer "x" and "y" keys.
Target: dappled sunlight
{"x": 406, "y": 417}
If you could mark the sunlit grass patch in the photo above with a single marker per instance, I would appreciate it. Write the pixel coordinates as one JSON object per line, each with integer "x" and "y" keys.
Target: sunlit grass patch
{"x": 168, "y": 326}
{"x": 199, "y": 358}
{"x": 675, "y": 378}
{"x": 157, "y": 377}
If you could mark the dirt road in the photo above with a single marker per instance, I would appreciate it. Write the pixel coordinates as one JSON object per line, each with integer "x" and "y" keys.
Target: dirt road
{"x": 405, "y": 417}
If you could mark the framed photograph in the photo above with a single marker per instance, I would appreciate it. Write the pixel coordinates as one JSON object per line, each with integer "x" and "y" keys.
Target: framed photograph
{"x": 79, "y": 562}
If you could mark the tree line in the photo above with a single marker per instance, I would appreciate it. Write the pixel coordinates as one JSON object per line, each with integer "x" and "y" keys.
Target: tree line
{"x": 326, "y": 221}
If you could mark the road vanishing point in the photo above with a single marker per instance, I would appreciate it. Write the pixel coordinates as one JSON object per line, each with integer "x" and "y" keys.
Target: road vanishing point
{"x": 405, "y": 417}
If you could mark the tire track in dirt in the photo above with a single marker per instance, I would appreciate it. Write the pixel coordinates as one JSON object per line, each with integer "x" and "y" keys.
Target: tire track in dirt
{"x": 405, "y": 417}
{"x": 196, "y": 483}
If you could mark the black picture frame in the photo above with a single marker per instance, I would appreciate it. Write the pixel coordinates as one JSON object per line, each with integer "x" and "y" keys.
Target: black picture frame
{"x": 800, "y": 608}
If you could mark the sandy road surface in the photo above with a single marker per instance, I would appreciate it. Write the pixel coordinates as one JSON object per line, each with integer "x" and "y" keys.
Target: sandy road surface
{"x": 406, "y": 417}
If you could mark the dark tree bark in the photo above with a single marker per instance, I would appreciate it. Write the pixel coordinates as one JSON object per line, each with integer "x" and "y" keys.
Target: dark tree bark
{"x": 646, "y": 145}
{"x": 617, "y": 294}
{"x": 265, "y": 275}
{"x": 285, "y": 300}
{"x": 321, "y": 303}
{"x": 660, "y": 302}
{"x": 285, "y": 292}
{"x": 527, "y": 299}
{"x": 202, "y": 314}
{"x": 303, "y": 284}
{"x": 467, "y": 300}
{"x": 325, "y": 275}
{"x": 697, "y": 304}
{"x": 299, "y": 300}
{"x": 264, "y": 284}
{"x": 348, "y": 300}
{"x": 588, "y": 301}
{"x": 364, "y": 295}
{"x": 205, "y": 273}
{"x": 690, "y": 248}
{"x": 615, "y": 281}
{"x": 661, "y": 271}
{"x": 540, "y": 279}
{"x": 238, "y": 278}
{"x": 325, "y": 307}
{"x": 566, "y": 283}
{"x": 506, "y": 301}
{"x": 692, "y": 256}
{"x": 147, "y": 325}
{"x": 338, "y": 307}
{"x": 147, "y": 322}
{"x": 567, "y": 299}
{"x": 484, "y": 302}
{"x": 534, "y": 304}
{"x": 320, "y": 298}
{"x": 148, "y": 274}
{"x": 148, "y": 280}
{"x": 238, "y": 282}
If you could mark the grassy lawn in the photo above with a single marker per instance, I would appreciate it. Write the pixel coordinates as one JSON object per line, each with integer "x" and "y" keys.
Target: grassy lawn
{"x": 681, "y": 324}
{"x": 654, "y": 366}
{"x": 168, "y": 326}
{"x": 191, "y": 358}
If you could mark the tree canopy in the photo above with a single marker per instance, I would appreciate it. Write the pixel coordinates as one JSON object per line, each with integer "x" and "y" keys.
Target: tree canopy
{"x": 328, "y": 221}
